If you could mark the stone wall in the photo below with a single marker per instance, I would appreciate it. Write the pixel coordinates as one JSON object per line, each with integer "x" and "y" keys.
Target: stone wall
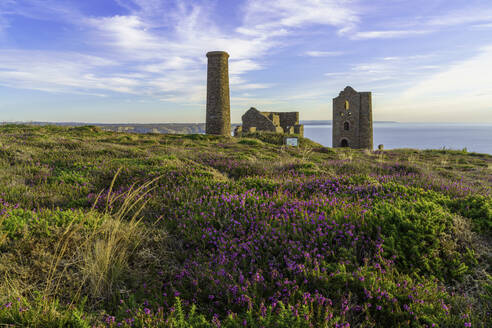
{"x": 352, "y": 119}
{"x": 279, "y": 122}
{"x": 288, "y": 119}
{"x": 218, "y": 96}
{"x": 299, "y": 129}
{"x": 365, "y": 123}
{"x": 254, "y": 118}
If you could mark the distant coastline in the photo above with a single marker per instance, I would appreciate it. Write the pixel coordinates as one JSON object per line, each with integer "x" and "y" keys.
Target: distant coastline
{"x": 169, "y": 128}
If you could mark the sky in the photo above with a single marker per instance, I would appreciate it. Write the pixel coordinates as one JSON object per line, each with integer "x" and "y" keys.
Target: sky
{"x": 144, "y": 61}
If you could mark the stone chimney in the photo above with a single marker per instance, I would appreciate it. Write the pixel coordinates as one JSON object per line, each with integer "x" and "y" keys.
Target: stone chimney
{"x": 218, "y": 98}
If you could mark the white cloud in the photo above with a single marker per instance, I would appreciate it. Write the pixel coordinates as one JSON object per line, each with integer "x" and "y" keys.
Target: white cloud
{"x": 238, "y": 67}
{"x": 387, "y": 34}
{"x": 253, "y": 86}
{"x": 127, "y": 33}
{"x": 323, "y": 53}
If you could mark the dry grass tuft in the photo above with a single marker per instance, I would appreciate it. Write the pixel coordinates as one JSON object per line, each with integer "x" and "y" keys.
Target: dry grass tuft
{"x": 104, "y": 257}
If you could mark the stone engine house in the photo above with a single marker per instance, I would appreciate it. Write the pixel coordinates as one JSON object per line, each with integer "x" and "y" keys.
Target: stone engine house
{"x": 352, "y": 119}
{"x": 279, "y": 122}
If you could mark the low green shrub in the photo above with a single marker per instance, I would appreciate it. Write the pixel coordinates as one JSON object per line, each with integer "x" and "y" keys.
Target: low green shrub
{"x": 250, "y": 142}
{"x": 476, "y": 207}
{"x": 420, "y": 234}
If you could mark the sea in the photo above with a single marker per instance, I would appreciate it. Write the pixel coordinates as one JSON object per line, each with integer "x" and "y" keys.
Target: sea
{"x": 472, "y": 137}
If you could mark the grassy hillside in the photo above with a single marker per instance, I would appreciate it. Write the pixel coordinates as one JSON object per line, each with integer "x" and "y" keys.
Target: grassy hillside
{"x": 122, "y": 230}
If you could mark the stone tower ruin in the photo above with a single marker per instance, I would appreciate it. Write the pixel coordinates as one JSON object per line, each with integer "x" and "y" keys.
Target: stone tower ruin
{"x": 218, "y": 98}
{"x": 352, "y": 119}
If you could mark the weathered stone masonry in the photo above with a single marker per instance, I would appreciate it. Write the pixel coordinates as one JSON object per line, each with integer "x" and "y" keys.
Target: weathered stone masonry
{"x": 352, "y": 119}
{"x": 279, "y": 122}
{"x": 218, "y": 96}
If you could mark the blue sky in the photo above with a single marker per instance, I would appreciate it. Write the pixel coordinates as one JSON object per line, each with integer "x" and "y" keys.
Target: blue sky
{"x": 144, "y": 60}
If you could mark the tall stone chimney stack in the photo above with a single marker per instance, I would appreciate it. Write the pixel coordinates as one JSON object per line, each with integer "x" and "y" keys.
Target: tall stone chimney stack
{"x": 218, "y": 98}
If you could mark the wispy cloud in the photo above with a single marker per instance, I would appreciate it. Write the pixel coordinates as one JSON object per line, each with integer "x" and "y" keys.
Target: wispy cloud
{"x": 125, "y": 33}
{"x": 467, "y": 15}
{"x": 451, "y": 92}
{"x": 473, "y": 15}
{"x": 164, "y": 62}
{"x": 163, "y": 43}
{"x": 4, "y": 12}
{"x": 482, "y": 26}
{"x": 182, "y": 52}
{"x": 61, "y": 72}
{"x": 4, "y": 24}
{"x": 388, "y": 74}
{"x": 280, "y": 15}
{"x": 385, "y": 72}
{"x": 315, "y": 53}
{"x": 47, "y": 10}
{"x": 254, "y": 86}
{"x": 464, "y": 79}
{"x": 387, "y": 34}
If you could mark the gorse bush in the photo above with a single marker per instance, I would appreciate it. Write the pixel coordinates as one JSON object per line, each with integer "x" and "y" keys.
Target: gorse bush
{"x": 101, "y": 229}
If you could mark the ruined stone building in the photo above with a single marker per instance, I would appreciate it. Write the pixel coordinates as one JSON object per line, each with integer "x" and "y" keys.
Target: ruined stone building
{"x": 352, "y": 119}
{"x": 218, "y": 119}
{"x": 279, "y": 122}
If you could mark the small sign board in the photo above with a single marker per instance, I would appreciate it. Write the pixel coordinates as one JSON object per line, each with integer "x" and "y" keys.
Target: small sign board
{"x": 292, "y": 142}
